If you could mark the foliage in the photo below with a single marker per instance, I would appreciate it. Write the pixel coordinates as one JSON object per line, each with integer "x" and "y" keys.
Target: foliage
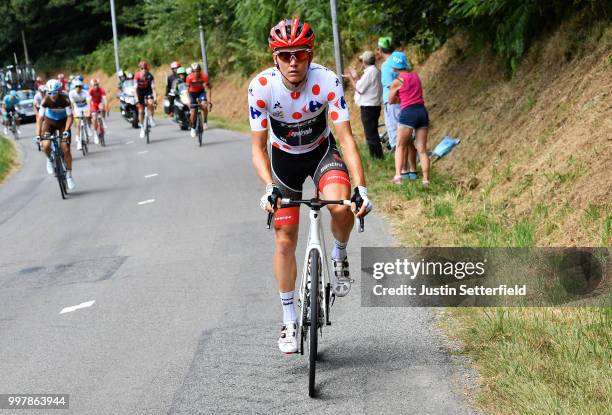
{"x": 237, "y": 30}
{"x": 58, "y": 31}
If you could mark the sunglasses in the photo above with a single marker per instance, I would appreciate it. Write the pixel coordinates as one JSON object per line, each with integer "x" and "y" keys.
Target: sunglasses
{"x": 300, "y": 55}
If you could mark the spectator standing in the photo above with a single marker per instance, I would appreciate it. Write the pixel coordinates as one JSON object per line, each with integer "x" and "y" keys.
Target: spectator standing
{"x": 413, "y": 120}
{"x": 391, "y": 111}
{"x": 368, "y": 95}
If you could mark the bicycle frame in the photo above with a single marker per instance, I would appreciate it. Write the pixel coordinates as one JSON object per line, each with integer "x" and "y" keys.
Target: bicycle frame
{"x": 316, "y": 240}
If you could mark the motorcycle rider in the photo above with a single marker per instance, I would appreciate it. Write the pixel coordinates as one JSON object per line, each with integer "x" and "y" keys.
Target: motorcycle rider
{"x": 120, "y": 79}
{"x": 169, "y": 81}
{"x": 179, "y": 115}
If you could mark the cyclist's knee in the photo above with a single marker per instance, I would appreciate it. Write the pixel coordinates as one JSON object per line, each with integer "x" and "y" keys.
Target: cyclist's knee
{"x": 286, "y": 240}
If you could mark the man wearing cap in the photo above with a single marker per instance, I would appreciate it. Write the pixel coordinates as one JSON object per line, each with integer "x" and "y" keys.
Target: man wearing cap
{"x": 391, "y": 111}
{"x": 368, "y": 95}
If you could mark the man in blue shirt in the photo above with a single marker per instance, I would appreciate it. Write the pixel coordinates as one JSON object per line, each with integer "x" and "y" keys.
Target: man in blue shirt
{"x": 9, "y": 104}
{"x": 388, "y": 75}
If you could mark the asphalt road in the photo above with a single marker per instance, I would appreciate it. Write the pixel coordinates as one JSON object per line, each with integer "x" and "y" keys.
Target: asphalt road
{"x": 186, "y": 313}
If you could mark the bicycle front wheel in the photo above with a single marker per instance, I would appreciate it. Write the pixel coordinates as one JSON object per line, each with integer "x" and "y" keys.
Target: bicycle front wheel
{"x": 200, "y": 128}
{"x": 61, "y": 174}
{"x": 315, "y": 270}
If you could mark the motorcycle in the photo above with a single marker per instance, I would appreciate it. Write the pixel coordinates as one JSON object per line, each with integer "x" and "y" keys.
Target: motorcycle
{"x": 128, "y": 101}
{"x": 180, "y": 108}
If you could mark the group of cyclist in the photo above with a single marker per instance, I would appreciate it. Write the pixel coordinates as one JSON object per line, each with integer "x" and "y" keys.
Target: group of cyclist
{"x": 56, "y": 104}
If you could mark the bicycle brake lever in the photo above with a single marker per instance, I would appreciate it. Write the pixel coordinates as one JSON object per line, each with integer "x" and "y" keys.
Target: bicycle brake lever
{"x": 361, "y": 225}
{"x": 270, "y": 215}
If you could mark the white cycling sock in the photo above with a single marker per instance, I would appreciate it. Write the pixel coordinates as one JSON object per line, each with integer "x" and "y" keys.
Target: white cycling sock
{"x": 339, "y": 251}
{"x": 288, "y": 308}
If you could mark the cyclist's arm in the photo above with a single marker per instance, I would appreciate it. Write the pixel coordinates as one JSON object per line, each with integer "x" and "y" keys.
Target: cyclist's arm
{"x": 40, "y": 119}
{"x": 105, "y": 104}
{"x": 154, "y": 91}
{"x": 261, "y": 159}
{"x": 69, "y": 119}
{"x": 208, "y": 92}
{"x": 350, "y": 154}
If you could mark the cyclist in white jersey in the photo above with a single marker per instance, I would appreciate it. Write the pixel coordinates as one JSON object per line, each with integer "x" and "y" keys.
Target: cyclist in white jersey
{"x": 289, "y": 106}
{"x": 78, "y": 98}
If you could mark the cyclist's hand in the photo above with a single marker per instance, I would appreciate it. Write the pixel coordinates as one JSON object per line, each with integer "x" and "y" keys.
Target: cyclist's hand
{"x": 66, "y": 134}
{"x": 37, "y": 139}
{"x": 361, "y": 205}
{"x": 270, "y": 198}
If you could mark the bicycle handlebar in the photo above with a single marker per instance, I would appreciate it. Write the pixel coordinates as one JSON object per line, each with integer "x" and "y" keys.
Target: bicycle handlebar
{"x": 315, "y": 204}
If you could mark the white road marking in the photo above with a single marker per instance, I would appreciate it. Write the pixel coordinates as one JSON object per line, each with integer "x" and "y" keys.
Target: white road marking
{"x": 148, "y": 176}
{"x": 130, "y": 142}
{"x": 144, "y": 202}
{"x": 143, "y": 152}
{"x": 76, "y": 307}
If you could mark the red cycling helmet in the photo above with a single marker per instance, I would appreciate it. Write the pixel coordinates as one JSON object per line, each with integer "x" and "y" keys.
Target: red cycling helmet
{"x": 291, "y": 33}
{"x": 143, "y": 65}
{"x": 175, "y": 65}
{"x": 94, "y": 82}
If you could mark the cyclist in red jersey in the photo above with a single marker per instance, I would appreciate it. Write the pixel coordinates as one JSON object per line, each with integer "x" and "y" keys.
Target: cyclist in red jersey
{"x": 145, "y": 90}
{"x": 199, "y": 91}
{"x": 97, "y": 102}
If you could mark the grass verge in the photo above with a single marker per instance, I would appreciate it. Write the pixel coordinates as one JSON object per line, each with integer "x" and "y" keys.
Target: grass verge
{"x": 8, "y": 157}
{"x": 531, "y": 360}
{"x": 228, "y": 124}
{"x": 538, "y": 360}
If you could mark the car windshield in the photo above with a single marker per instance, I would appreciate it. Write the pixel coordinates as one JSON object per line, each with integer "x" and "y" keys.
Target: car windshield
{"x": 25, "y": 94}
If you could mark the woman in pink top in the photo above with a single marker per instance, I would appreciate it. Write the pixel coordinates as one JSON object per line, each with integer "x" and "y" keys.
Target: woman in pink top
{"x": 413, "y": 121}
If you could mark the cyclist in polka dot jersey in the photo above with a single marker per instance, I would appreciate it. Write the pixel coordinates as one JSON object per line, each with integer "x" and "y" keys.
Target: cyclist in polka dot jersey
{"x": 298, "y": 119}
{"x": 289, "y": 106}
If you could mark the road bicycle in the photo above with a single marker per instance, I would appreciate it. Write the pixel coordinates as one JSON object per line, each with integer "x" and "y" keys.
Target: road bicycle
{"x": 100, "y": 127}
{"x": 83, "y": 135}
{"x": 199, "y": 124}
{"x": 315, "y": 297}
{"x": 57, "y": 158}
{"x": 12, "y": 125}
{"x": 147, "y": 120}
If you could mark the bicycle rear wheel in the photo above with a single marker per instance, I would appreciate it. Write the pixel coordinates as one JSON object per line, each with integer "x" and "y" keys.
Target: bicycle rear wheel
{"x": 315, "y": 270}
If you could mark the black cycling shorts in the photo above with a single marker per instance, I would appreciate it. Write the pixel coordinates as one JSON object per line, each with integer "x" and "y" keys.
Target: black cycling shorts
{"x": 289, "y": 171}
{"x": 142, "y": 94}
